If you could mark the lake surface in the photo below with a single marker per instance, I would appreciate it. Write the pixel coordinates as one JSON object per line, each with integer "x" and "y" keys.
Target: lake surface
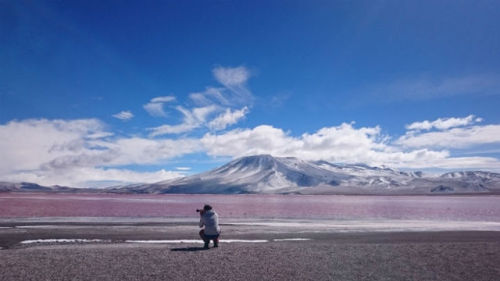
{"x": 324, "y": 207}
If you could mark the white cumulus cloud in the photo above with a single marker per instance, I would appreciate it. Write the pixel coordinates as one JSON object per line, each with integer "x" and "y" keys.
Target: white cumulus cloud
{"x": 26, "y": 144}
{"x": 344, "y": 144}
{"x": 444, "y": 123}
{"x": 453, "y": 138}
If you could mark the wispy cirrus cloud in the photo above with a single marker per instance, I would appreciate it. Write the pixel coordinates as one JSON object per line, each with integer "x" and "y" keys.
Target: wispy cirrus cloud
{"x": 235, "y": 92}
{"x": 192, "y": 119}
{"x": 185, "y": 169}
{"x": 124, "y": 115}
{"x": 235, "y": 79}
{"x": 231, "y": 76}
{"x": 210, "y": 96}
{"x": 216, "y": 108}
{"x": 155, "y": 106}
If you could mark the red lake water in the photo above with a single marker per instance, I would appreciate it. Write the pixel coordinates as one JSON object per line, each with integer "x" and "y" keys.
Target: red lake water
{"x": 470, "y": 208}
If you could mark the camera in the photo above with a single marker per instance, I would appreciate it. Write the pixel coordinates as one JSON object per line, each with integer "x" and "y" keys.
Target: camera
{"x": 198, "y": 210}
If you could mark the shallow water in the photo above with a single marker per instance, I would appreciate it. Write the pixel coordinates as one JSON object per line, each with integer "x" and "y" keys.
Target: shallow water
{"x": 456, "y": 208}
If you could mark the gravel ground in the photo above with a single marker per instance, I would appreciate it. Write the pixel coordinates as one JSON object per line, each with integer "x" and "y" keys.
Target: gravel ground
{"x": 327, "y": 256}
{"x": 305, "y": 260}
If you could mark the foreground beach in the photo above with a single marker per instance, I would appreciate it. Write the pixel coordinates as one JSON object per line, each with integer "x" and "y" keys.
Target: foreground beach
{"x": 153, "y": 251}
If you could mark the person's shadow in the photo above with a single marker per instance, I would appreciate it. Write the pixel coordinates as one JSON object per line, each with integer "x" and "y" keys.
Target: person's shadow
{"x": 188, "y": 249}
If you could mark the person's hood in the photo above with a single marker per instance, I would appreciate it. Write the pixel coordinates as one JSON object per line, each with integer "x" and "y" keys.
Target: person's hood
{"x": 209, "y": 213}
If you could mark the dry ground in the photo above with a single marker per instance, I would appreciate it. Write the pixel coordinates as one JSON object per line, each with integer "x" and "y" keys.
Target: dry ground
{"x": 327, "y": 256}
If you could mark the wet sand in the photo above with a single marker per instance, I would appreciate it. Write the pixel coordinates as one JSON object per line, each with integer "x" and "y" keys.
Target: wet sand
{"x": 451, "y": 255}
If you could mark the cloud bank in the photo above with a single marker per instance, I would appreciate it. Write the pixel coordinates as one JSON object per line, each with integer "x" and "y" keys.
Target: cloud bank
{"x": 83, "y": 153}
{"x": 79, "y": 152}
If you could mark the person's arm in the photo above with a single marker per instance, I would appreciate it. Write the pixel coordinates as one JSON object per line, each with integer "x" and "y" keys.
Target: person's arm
{"x": 202, "y": 223}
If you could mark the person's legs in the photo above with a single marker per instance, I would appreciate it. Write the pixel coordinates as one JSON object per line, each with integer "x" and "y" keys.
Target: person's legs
{"x": 216, "y": 241}
{"x": 204, "y": 238}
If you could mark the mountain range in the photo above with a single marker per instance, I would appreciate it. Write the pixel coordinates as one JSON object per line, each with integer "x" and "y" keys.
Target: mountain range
{"x": 268, "y": 174}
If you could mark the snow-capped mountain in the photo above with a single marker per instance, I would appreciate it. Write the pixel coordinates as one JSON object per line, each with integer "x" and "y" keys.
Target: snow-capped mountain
{"x": 262, "y": 173}
{"x": 268, "y": 174}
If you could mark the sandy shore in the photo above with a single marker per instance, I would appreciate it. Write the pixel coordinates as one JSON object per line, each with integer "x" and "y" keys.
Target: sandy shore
{"x": 451, "y": 255}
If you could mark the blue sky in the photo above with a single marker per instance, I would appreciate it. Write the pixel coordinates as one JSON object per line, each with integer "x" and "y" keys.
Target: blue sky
{"x": 103, "y": 92}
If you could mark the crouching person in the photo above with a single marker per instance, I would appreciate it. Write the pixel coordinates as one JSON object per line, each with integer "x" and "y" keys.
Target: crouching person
{"x": 210, "y": 220}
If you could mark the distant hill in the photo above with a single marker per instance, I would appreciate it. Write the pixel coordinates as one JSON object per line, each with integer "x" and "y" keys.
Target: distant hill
{"x": 268, "y": 174}
{"x": 33, "y": 187}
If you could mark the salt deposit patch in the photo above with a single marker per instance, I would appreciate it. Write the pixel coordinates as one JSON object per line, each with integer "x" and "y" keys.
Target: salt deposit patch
{"x": 221, "y": 241}
{"x": 243, "y": 241}
{"x": 377, "y": 225}
{"x": 38, "y": 226}
{"x": 63, "y": 241}
{"x": 164, "y": 241}
{"x": 194, "y": 241}
{"x": 291, "y": 239}
{"x": 179, "y": 241}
